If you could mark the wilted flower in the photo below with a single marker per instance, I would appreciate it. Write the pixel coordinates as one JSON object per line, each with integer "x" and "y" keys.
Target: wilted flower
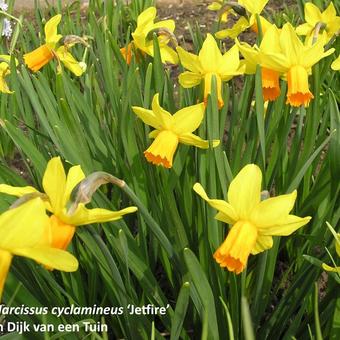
{"x": 171, "y": 130}
{"x": 38, "y": 58}
{"x": 209, "y": 62}
{"x": 254, "y": 222}
{"x": 25, "y": 231}
{"x": 58, "y": 188}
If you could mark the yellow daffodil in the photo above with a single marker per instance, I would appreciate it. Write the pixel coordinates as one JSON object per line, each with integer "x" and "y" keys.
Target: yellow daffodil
{"x": 253, "y": 9}
{"x": 58, "y": 188}
{"x": 252, "y": 55}
{"x": 4, "y": 71}
{"x": 336, "y": 64}
{"x": 143, "y": 36}
{"x": 314, "y": 16}
{"x": 25, "y": 232}
{"x": 294, "y": 62}
{"x": 253, "y": 222}
{"x": 171, "y": 130}
{"x": 209, "y": 62}
{"x": 38, "y": 58}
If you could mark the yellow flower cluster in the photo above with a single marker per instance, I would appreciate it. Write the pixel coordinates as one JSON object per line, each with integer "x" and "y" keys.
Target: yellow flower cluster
{"x": 281, "y": 53}
{"x": 42, "y": 225}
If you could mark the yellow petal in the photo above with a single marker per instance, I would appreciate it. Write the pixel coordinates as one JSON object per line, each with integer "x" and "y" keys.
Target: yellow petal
{"x": 253, "y": 7}
{"x": 262, "y": 243}
{"x": 147, "y": 116}
{"x": 291, "y": 44}
{"x": 210, "y": 56}
{"x": 4, "y": 87}
{"x": 337, "y": 243}
{"x": 241, "y": 25}
{"x": 189, "y": 79}
{"x": 336, "y": 64}
{"x": 330, "y": 269}
{"x": 50, "y": 257}
{"x": 154, "y": 133}
{"x": 16, "y": 191}
{"x": 54, "y": 184}
{"x": 74, "y": 177}
{"x": 51, "y": 26}
{"x": 271, "y": 41}
{"x": 244, "y": 192}
{"x": 188, "y": 119}
{"x": 285, "y": 228}
{"x": 228, "y": 213}
{"x": 69, "y": 61}
{"x": 162, "y": 115}
{"x": 277, "y": 62}
{"x": 189, "y": 60}
{"x": 191, "y": 139}
{"x": 314, "y": 53}
{"x": 5, "y": 263}
{"x": 312, "y": 14}
{"x": 24, "y": 226}
{"x": 146, "y": 17}
{"x": 273, "y": 210}
{"x": 304, "y": 29}
{"x": 230, "y": 64}
{"x": 83, "y": 216}
{"x": 168, "y": 55}
{"x": 4, "y": 71}
{"x": 251, "y": 56}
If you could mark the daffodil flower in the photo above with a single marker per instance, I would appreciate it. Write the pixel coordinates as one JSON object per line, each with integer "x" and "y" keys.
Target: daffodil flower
{"x": 143, "y": 37}
{"x": 25, "y": 232}
{"x": 209, "y": 62}
{"x": 171, "y": 130}
{"x": 58, "y": 188}
{"x": 38, "y": 58}
{"x": 4, "y": 71}
{"x": 314, "y": 16}
{"x": 253, "y": 222}
{"x": 253, "y": 9}
{"x": 336, "y": 64}
{"x": 252, "y": 55}
{"x": 295, "y": 63}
